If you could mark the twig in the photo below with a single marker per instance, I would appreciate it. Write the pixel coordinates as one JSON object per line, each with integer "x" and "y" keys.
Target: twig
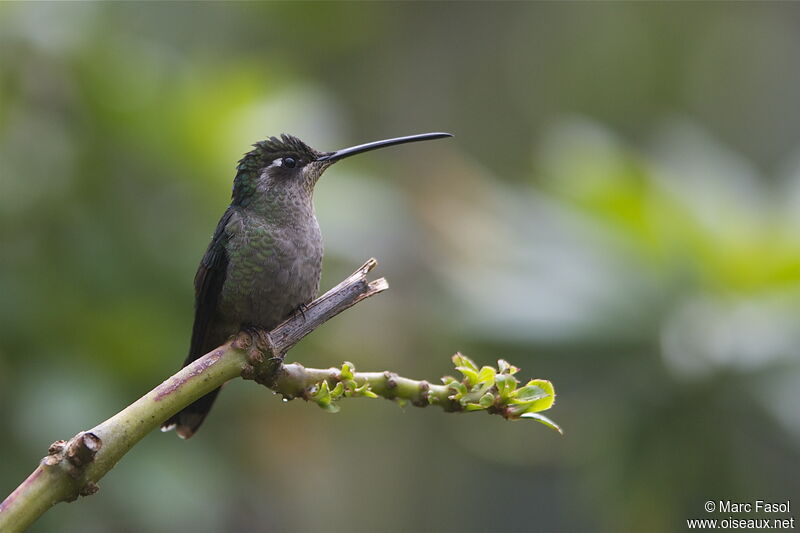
{"x": 491, "y": 389}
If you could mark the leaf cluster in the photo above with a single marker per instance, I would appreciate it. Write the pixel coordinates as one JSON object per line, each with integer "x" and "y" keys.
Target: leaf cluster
{"x": 492, "y": 389}
{"x": 495, "y": 389}
{"x": 326, "y": 398}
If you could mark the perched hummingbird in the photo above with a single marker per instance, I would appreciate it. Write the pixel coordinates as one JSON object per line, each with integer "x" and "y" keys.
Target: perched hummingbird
{"x": 265, "y": 258}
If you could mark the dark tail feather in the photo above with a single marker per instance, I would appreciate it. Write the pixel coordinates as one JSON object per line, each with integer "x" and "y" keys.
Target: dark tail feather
{"x": 188, "y": 420}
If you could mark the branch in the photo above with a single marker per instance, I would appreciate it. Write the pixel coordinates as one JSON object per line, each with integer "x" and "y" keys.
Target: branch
{"x": 490, "y": 389}
{"x": 73, "y": 468}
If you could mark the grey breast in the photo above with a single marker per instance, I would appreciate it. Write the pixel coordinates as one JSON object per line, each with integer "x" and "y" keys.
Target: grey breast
{"x": 271, "y": 271}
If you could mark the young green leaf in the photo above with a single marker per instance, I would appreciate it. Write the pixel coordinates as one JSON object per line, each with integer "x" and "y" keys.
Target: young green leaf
{"x": 534, "y": 404}
{"x": 487, "y": 375}
{"x": 505, "y": 385}
{"x": 544, "y": 420}
{"x": 486, "y": 400}
{"x": 528, "y": 393}
{"x": 463, "y": 360}
{"x": 458, "y": 388}
{"x": 338, "y": 391}
{"x": 330, "y": 407}
{"x": 347, "y": 371}
{"x": 470, "y": 375}
{"x": 364, "y": 390}
{"x": 505, "y": 367}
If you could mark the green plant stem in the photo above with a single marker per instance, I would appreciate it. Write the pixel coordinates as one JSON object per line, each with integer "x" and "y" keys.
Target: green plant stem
{"x": 294, "y": 380}
{"x": 493, "y": 390}
{"x": 58, "y": 479}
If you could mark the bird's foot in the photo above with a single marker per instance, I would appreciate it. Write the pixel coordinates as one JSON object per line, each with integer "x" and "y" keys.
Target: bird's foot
{"x": 302, "y": 308}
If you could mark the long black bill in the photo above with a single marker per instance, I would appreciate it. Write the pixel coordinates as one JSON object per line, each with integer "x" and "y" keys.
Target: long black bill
{"x": 361, "y": 148}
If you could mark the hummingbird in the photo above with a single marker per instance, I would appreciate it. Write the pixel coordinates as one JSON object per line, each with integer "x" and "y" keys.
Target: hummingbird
{"x": 265, "y": 257}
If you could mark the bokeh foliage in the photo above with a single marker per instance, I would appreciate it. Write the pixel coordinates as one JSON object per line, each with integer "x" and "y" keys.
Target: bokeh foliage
{"x": 618, "y": 213}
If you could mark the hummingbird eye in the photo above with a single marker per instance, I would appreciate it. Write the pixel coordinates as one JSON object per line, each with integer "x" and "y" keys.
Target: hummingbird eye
{"x": 289, "y": 162}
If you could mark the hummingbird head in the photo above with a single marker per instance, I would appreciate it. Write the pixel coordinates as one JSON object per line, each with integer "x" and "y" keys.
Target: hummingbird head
{"x": 288, "y": 167}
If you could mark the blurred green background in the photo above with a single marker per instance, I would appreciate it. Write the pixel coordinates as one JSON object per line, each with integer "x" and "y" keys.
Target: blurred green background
{"x": 619, "y": 212}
